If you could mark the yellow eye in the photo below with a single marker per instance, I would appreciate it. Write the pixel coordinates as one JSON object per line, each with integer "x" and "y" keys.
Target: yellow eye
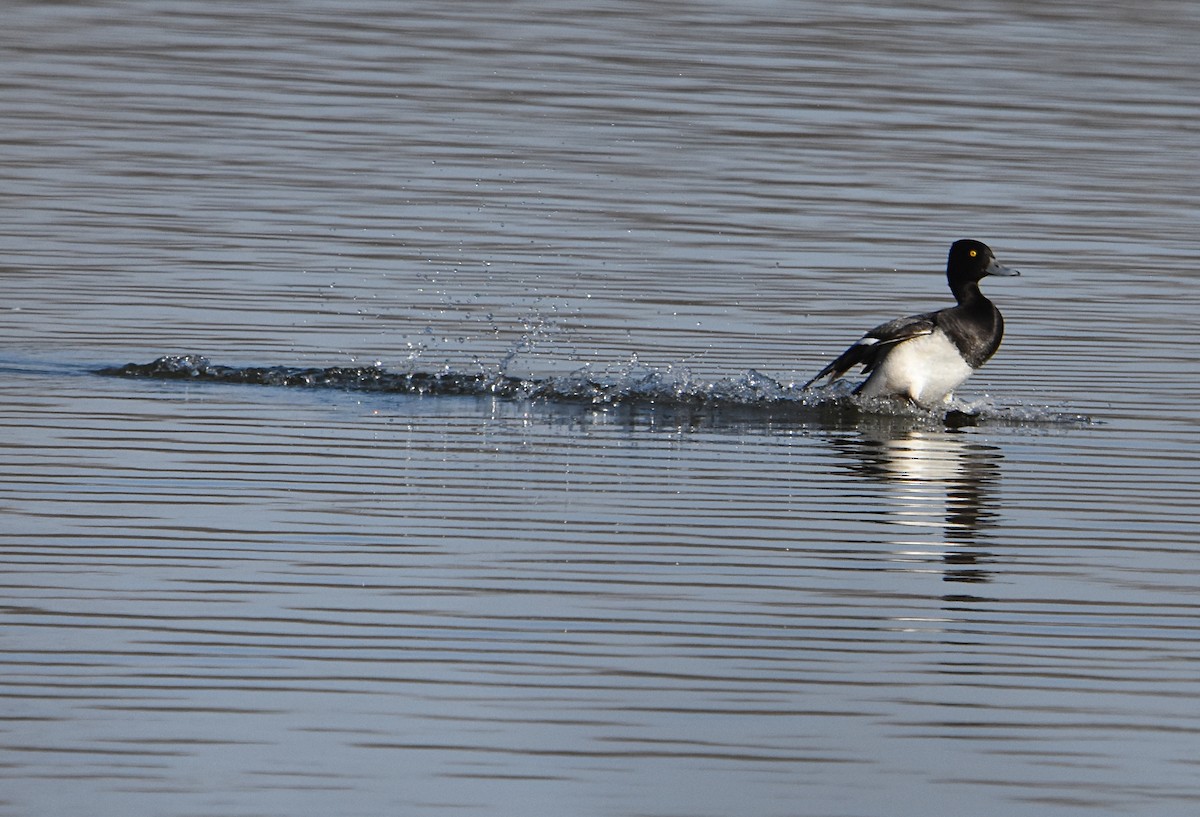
{"x": 973, "y": 253}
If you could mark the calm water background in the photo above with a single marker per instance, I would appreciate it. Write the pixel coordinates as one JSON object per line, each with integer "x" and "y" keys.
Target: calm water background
{"x": 224, "y": 600}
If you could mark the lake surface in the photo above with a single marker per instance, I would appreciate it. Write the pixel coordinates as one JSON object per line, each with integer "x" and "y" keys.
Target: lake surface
{"x": 224, "y": 599}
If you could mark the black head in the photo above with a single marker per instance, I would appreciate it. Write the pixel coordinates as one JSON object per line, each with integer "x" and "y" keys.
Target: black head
{"x": 972, "y": 260}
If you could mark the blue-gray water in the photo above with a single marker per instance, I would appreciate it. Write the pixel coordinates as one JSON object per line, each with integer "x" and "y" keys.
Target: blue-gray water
{"x": 249, "y": 600}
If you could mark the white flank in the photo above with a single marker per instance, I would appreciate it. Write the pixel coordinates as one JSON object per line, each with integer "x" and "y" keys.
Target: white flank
{"x": 926, "y": 370}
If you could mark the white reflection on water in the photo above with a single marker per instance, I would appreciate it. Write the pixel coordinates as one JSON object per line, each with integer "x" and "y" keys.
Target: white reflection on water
{"x": 942, "y": 493}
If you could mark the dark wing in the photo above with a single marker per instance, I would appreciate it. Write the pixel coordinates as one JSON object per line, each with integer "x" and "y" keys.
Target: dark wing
{"x": 874, "y": 346}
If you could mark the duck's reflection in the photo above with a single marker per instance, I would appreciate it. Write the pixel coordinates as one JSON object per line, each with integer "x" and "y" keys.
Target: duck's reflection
{"x": 942, "y": 483}
{"x": 943, "y": 486}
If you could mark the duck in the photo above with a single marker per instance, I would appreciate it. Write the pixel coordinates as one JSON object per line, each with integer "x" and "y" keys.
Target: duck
{"x": 923, "y": 358}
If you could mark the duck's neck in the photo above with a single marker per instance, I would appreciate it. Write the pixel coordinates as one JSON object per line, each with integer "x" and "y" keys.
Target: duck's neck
{"x": 966, "y": 292}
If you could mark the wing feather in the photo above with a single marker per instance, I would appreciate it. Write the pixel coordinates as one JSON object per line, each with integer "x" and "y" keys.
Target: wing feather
{"x": 872, "y": 347}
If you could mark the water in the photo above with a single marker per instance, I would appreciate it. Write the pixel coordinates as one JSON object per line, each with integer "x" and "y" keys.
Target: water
{"x": 707, "y": 596}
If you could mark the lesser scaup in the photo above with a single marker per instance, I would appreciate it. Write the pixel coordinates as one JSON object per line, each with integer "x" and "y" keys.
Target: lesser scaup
{"x": 924, "y": 358}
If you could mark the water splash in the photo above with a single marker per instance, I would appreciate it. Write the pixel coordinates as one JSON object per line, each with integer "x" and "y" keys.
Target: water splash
{"x": 632, "y": 385}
